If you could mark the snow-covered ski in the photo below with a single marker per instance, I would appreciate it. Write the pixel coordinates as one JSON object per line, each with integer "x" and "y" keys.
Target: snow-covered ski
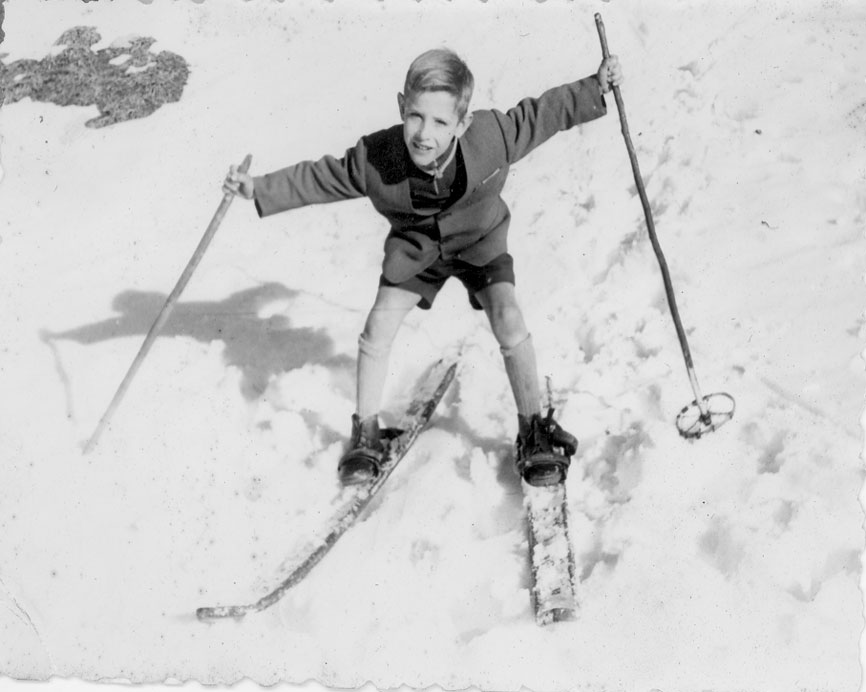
{"x": 551, "y": 556}
{"x": 352, "y": 500}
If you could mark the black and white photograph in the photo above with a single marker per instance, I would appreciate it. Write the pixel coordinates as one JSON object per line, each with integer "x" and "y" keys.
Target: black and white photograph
{"x": 457, "y": 344}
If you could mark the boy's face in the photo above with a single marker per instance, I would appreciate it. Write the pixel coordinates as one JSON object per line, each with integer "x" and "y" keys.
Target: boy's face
{"x": 430, "y": 122}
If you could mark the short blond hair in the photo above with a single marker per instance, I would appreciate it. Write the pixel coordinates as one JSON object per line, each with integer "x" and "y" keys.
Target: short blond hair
{"x": 441, "y": 69}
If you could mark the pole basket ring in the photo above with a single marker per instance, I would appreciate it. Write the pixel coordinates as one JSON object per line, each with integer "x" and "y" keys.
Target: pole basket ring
{"x": 695, "y": 421}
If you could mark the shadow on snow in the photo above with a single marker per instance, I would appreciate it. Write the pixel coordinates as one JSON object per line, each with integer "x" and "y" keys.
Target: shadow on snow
{"x": 258, "y": 346}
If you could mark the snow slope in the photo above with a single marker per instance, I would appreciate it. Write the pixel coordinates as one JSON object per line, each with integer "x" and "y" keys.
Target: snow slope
{"x": 729, "y": 563}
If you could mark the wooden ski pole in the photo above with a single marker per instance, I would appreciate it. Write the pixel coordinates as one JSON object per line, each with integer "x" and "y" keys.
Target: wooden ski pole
{"x": 166, "y": 311}
{"x": 663, "y": 265}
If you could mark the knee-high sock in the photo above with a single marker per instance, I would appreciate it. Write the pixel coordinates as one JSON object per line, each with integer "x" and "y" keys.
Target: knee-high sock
{"x": 372, "y": 372}
{"x": 522, "y": 373}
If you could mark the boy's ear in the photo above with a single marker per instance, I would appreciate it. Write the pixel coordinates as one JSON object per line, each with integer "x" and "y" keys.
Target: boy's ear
{"x": 401, "y": 104}
{"x": 463, "y": 125}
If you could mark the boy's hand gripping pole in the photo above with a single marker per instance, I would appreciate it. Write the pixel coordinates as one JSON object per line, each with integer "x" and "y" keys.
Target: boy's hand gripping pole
{"x": 164, "y": 314}
{"x": 705, "y": 413}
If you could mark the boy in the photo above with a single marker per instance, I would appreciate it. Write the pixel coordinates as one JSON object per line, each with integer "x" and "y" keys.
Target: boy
{"x": 437, "y": 179}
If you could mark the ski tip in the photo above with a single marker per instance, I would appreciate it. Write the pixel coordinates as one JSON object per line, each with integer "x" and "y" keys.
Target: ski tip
{"x": 205, "y": 614}
{"x": 220, "y": 612}
{"x": 563, "y": 613}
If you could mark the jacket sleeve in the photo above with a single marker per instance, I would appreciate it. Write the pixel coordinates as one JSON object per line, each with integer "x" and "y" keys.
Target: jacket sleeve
{"x": 535, "y": 120}
{"x": 312, "y": 182}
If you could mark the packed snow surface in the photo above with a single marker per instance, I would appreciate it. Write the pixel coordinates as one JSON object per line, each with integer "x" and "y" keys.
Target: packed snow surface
{"x": 727, "y": 563}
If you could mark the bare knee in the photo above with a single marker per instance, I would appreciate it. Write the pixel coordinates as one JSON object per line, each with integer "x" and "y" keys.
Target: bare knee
{"x": 380, "y": 329}
{"x": 505, "y": 315}
{"x": 386, "y": 316}
{"x": 506, "y": 321}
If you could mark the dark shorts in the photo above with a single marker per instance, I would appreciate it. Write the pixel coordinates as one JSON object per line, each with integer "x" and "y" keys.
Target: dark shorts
{"x": 428, "y": 282}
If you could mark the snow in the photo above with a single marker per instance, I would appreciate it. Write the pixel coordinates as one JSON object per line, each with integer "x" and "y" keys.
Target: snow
{"x": 728, "y": 563}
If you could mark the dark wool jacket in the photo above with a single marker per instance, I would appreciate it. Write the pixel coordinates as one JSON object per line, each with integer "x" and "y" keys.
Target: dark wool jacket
{"x": 475, "y": 227}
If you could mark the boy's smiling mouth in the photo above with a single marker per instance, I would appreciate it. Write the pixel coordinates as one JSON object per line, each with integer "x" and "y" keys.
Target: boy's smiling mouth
{"x": 423, "y": 155}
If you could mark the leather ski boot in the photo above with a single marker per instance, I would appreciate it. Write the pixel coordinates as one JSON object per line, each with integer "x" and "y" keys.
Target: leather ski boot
{"x": 362, "y": 460}
{"x": 544, "y": 450}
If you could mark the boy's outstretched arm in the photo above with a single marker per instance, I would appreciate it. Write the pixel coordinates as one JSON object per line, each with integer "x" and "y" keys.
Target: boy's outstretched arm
{"x": 328, "y": 179}
{"x": 535, "y": 120}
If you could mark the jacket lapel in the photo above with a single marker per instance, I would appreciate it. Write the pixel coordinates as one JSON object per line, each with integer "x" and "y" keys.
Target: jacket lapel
{"x": 477, "y": 161}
